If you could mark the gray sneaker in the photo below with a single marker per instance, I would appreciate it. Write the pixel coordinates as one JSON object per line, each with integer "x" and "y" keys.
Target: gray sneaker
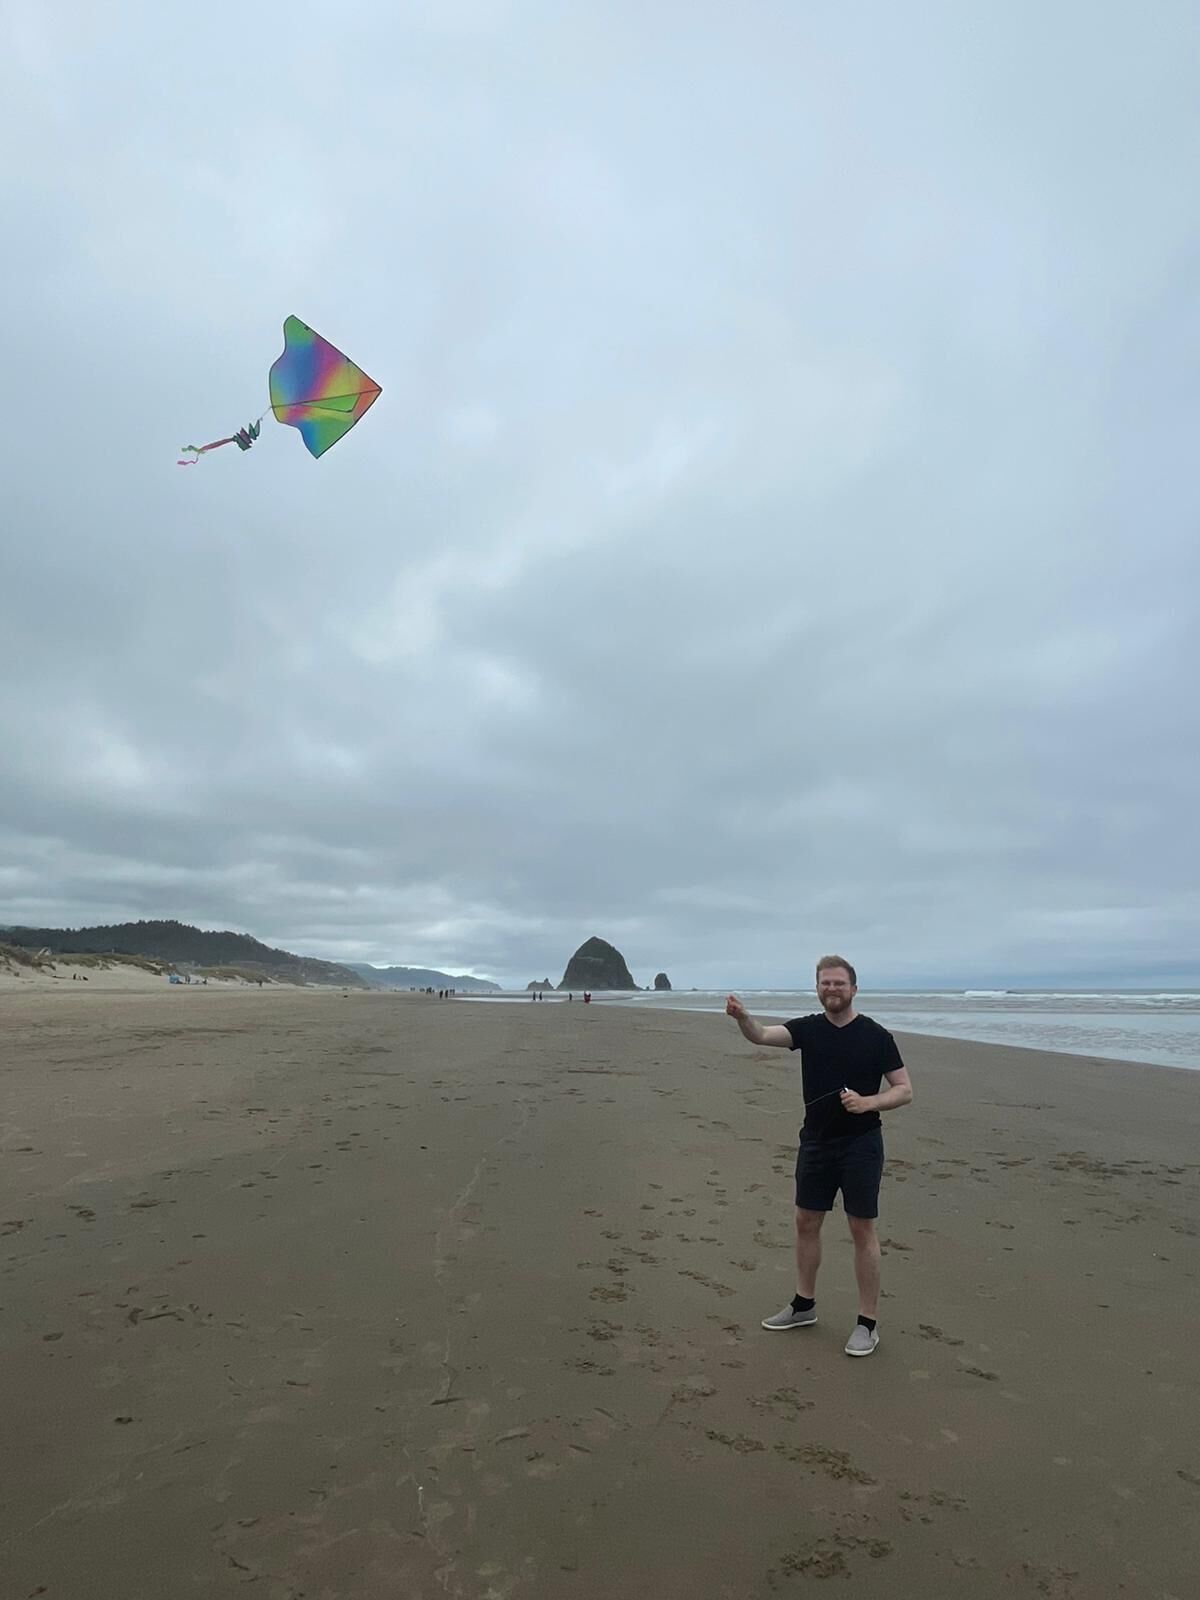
{"x": 787, "y": 1318}
{"x": 862, "y": 1341}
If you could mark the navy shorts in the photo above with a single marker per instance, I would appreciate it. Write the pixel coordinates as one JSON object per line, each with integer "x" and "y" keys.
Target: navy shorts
{"x": 853, "y": 1164}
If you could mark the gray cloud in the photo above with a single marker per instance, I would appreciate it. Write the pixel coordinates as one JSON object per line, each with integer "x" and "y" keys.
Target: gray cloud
{"x": 778, "y": 530}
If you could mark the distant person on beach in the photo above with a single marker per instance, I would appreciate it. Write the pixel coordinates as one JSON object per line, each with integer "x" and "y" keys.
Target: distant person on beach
{"x": 843, "y": 1059}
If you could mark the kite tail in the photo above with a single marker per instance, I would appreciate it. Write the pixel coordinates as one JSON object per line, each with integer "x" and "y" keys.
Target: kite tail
{"x": 199, "y": 450}
{"x": 243, "y": 438}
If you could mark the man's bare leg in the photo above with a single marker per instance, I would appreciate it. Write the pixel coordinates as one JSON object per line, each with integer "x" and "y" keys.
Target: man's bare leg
{"x": 866, "y": 1263}
{"x": 808, "y": 1251}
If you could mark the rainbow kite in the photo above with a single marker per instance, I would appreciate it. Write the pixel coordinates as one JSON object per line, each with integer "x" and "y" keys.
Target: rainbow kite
{"x": 313, "y": 387}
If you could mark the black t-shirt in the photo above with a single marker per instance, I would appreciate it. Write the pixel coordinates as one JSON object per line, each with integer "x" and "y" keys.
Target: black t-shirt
{"x": 855, "y": 1056}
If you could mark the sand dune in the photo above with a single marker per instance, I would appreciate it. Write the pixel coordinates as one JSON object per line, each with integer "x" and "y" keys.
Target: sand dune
{"x": 40, "y": 974}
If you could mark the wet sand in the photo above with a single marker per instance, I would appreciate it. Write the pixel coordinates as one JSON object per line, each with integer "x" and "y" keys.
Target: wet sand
{"x": 337, "y": 1297}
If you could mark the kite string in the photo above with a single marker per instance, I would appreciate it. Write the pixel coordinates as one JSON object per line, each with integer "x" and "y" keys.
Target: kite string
{"x": 817, "y": 1098}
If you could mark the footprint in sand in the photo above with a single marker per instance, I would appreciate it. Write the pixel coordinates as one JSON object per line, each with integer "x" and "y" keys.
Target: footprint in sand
{"x": 616, "y": 1267}
{"x": 740, "y": 1443}
{"x": 1058, "y": 1583}
{"x": 766, "y": 1243}
{"x": 826, "y": 1558}
{"x": 722, "y": 1289}
{"x": 601, "y": 1292}
{"x": 834, "y": 1463}
{"x": 691, "y": 1390}
{"x": 929, "y": 1330}
{"x": 783, "y": 1403}
{"x": 937, "y": 1499}
{"x": 810, "y": 1561}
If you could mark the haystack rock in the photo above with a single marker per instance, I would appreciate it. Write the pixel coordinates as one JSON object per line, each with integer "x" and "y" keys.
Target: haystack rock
{"x": 597, "y": 965}
{"x": 661, "y": 981}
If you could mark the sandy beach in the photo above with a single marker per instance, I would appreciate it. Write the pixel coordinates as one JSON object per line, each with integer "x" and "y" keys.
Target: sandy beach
{"x": 315, "y": 1296}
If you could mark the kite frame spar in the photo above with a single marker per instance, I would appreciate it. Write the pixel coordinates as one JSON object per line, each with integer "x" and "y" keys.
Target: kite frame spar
{"x": 313, "y": 388}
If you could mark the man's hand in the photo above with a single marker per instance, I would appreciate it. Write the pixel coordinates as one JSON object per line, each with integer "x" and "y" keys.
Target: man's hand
{"x": 734, "y": 1008}
{"x": 857, "y": 1103}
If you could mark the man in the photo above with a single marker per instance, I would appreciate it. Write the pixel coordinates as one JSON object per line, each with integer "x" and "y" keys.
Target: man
{"x": 843, "y": 1059}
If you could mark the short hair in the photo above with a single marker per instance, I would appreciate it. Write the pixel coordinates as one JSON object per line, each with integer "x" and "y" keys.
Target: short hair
{"x": 837, "y": 961}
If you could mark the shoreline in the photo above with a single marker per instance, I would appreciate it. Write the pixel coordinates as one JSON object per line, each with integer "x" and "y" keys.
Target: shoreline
{"x": 371, "y": 1295}
{"x": 613, "y": 998}
{"x": 131, "y": 981}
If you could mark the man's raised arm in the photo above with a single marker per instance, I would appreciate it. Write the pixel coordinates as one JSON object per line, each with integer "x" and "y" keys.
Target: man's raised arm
{"x": 753, "y": 1030}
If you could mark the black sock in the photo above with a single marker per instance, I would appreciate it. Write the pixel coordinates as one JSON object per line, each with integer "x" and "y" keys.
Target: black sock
{"x": 799, "y": 1303}
{"x": 868, "y": 1323}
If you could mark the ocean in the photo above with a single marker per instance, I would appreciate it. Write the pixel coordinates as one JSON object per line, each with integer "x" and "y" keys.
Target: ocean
{"x": 1158, "y": 1026}
{"x": 1162, "y": 1026}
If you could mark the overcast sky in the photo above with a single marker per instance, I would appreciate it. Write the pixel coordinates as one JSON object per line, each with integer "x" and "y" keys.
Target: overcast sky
{"x": 777, "y": 533}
